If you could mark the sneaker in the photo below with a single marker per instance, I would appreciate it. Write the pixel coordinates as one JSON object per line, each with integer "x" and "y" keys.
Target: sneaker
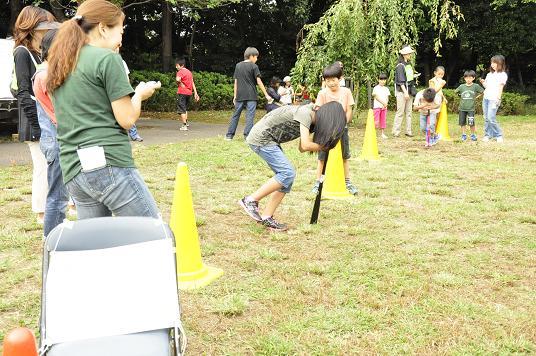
{"x": 500, "y": 139}
{"x": 251, "y": 208}
{"x": 384, "y": 136}
{"x": 352, "y": 189}
{"x": 228, "y": 138}
{"x": 434, "y": 140}
{"x": 409, "y": 135}
{"x": 437, "y": 137}
{"x": 187, "y": 123}
{"x": 396, "y": 135}
{"x": 138, "y": 139}
{"x": 473, "y": 137}
{"x": 485, "y": 139}
{"x": 184, "y": 128}
{"x": 274, "y": 225}
{"x": 464, "y": 137}
{"x": 316, "y": 187}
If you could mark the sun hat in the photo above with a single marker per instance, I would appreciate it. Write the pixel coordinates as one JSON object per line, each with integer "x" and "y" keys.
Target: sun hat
{"x": 286, "y": 79}
{"x": 406, "y": 50}
{"x": 47, "y": 25}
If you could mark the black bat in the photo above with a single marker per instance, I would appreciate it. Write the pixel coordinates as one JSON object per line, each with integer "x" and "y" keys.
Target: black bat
{"x": 316, "y": 207}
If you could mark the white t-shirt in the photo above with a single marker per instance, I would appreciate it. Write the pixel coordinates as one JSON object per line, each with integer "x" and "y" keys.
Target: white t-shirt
{"x": 492, "y": 84}
{"x": 420, "y": 100}
{"x": 381, "y": 92}
{"x": 286, "y": 94}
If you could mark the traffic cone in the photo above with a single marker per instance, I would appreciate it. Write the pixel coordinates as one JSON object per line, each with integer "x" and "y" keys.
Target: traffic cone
{"x": 334, "y": 184}
{"x": 370, "y": 143}
{"x": 20, "y": 342}
{"x": 191, "y": 271}
{"x": 442, "y": 126}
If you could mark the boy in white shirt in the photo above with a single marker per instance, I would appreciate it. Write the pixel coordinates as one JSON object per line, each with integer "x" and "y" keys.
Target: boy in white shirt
{"x": 381, "y": 94}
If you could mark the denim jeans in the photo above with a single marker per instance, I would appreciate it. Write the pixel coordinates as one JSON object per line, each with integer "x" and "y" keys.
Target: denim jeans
{"x": 111, "y": 190}
{"x": 491, "y": 126}
{"x": 57, "y": 197}
{"x": 279, "y": 163}
{"x": 250, "y": 106}
{"x": 433, "y": 120}
{"x": 133, "y": 132}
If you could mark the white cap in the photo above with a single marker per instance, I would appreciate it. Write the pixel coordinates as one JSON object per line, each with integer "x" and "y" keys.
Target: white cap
{"x": 406, "y": 50}
{"x": 286, "y": 79}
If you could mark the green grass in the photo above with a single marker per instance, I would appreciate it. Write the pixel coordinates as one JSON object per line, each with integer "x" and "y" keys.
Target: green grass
{"x": 437, "y": 254}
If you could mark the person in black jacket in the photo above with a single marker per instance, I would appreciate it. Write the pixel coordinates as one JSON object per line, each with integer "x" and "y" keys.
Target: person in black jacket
{"x": 274, "y": 95}
{"x": 30, "y": 27}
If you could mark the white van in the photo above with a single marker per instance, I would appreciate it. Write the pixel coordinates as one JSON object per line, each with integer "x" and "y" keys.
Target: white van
{"x": 8, "y": 104}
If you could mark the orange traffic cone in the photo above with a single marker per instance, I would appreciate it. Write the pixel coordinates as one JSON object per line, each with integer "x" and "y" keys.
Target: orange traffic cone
{"x": 334, "y": 185}
{"x": 192, "y": 273}
{"x": 442, "y": 127}
{"x": 20, "y": 342}
{"x": 370, "y": 143}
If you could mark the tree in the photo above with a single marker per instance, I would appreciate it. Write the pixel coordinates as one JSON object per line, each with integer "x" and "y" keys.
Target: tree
{"x": 366, "y": 36}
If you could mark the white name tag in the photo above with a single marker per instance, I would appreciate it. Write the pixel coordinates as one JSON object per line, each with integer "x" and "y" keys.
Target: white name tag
{"x": 91, "y": 158}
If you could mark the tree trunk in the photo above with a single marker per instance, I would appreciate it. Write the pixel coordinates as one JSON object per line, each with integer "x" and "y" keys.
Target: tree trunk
{"x": 57, "y": 10}
{"x": 15, "y": 6}
{"x": 519, "y": 74}
{"x": 191, "y": 47}
{"x": 167, "y": 30}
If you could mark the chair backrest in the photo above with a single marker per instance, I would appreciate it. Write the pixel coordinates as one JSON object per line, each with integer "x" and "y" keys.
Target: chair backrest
{"x": 108, "y": 276}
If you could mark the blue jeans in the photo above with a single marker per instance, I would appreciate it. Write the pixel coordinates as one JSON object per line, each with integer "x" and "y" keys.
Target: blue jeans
{"x": 133, "y": 132}
{"x": 491, "y": 126}
{"x": 250, "y": 106}
{"x": 111, "y": 190}
{"x": 422, "y": 120}
{"x": 279, "y": 163}
{"x": 57, "y": 197}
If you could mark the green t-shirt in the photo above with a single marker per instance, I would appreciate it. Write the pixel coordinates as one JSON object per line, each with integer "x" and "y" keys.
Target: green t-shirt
{"x": 468, "y": 93}
{"x": 84, "y": 111}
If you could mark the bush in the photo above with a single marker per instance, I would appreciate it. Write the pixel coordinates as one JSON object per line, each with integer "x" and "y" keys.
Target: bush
{"x": 215, "y": 90}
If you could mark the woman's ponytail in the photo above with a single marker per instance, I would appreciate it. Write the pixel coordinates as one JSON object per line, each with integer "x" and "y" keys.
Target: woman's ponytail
{"x": 63, "y": 54}
{"x": 72, "y": 36}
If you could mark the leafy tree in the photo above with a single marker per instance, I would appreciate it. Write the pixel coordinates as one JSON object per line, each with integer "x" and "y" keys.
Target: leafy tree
{"x": 366, "y": 35}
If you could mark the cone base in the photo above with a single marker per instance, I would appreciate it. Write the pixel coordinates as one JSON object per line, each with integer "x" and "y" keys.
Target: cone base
{"x": 199, "y": 279}
{"x": 368, "y": 158}
{"x": 336, "y": 195}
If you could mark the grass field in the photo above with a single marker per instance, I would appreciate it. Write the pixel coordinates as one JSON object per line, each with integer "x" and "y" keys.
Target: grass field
{"x": 436, "y": 255}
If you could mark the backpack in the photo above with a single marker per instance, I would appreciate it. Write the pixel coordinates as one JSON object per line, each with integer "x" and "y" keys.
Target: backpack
{"x": 14, "y": 85}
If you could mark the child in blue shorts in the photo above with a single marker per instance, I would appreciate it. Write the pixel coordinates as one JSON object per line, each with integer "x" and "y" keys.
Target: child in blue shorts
{"x": 279, "y": 126}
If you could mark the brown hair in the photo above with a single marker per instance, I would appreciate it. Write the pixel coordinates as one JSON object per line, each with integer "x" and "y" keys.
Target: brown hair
{"x": 72, "y": 36}
{"x": 499, "y": 59}
{"x": 27, "y": 21}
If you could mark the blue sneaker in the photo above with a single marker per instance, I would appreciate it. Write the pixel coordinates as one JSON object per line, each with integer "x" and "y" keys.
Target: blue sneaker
{"x": 473, "y": 137}
{"x": 464, "y": 137}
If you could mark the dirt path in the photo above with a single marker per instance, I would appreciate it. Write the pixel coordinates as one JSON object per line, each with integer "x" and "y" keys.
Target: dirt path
{"x": 153, "y": 131}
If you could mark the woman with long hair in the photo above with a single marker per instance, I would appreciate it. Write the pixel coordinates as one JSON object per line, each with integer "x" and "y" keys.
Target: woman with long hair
{"x": 94, "y": 109}
{"x": 30, "y": 27}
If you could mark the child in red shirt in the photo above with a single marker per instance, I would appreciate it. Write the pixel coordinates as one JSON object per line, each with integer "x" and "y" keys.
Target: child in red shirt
{"x": 185, "y": 87}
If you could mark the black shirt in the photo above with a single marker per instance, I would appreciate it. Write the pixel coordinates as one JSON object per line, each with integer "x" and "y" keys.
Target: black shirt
{"x": 246, "y": 74}
{"x": 24, "y": 70}
{"x": 400, "y": 76}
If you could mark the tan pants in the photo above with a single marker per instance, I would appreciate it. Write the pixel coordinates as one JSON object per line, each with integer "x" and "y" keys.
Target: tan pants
{"x": 39, "y": 178}
{"x": 403, "y": 108}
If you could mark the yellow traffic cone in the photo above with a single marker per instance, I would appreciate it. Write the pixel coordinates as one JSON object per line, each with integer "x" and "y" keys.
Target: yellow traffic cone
{"x": 191, "y": 271}
{"x": 334, "y": 184}
{"x": 370, "y": 143}
{"x": 442, "y": 126}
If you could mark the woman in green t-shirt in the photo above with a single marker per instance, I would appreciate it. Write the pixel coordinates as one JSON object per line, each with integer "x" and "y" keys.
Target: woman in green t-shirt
{"x": 94, "y": 109}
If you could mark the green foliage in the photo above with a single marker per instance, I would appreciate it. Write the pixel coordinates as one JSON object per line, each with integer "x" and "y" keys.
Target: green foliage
{"x": 366, "y": 36}
{"x": 215, "y": 90}
{"x": 511, "y": 103}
